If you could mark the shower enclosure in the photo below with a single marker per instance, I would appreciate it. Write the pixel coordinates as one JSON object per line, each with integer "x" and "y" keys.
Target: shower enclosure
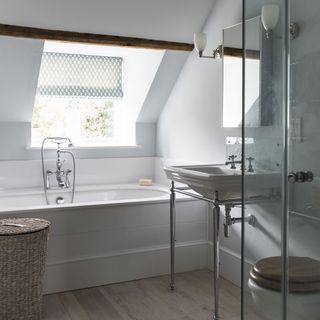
{"x": 284, "y": 245}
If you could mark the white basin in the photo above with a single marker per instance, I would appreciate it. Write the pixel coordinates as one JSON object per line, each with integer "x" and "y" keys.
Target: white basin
{"x": 207, "y": 179}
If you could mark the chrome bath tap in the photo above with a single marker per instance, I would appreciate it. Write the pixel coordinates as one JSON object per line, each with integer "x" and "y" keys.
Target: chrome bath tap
{"x": 59, "y": 171}
{"x": 62, "y": 175}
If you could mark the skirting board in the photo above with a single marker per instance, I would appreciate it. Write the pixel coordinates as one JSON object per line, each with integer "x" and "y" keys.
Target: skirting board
{"x": 123, "y": 266}
{"x": 230, "y": 264}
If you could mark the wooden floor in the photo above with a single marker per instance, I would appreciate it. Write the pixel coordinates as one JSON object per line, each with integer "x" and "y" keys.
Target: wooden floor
{"x": 147, "y": 299}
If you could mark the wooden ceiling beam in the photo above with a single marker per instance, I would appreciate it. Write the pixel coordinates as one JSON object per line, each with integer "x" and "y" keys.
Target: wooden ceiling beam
{"x": 91, "y": 38}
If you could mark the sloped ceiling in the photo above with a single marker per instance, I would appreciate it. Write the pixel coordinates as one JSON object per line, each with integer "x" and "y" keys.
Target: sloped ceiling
{"x": 163, "y": 82}
{"x": 20, "y": 61}
{"x": 174, "y": 20}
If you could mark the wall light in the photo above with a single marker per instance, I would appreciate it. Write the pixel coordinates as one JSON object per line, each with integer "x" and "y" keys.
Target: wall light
{"x": 200, "y": 43}
{"x": 270, "y": 18}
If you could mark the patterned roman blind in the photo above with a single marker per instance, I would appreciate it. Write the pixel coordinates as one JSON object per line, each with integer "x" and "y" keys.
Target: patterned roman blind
{"x": 81, "y": 76}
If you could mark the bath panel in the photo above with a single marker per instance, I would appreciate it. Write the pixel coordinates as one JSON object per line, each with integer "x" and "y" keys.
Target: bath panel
{"x": 112, "y": 233}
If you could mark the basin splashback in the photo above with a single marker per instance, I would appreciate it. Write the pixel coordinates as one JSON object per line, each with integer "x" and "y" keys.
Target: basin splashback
{"x": 265, "y": 150}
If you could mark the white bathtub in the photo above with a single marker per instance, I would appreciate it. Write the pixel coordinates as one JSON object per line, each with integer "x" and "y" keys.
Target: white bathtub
{"x": 112, "y": 233}
{"x": 99, "y": 195}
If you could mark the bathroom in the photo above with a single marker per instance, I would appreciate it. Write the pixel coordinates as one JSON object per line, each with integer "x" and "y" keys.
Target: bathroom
{"x": 112, "y": 249}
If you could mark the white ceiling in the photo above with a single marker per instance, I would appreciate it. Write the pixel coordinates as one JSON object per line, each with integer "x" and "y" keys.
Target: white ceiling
{"x": 174, "y": 20}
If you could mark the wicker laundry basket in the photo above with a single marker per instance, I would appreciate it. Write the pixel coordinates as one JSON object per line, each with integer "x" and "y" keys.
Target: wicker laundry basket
{"x": 23, "y": 248}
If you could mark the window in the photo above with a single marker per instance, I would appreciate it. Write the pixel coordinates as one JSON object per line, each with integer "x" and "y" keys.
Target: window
{"x": 76, "y": 97}
{"x": 86, "y": 122}
{"x": 92, "y": 94}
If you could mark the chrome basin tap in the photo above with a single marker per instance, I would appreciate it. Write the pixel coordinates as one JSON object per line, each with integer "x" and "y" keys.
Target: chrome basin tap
{"x": 232, "y": 161}
{"x": 250, "y": 167}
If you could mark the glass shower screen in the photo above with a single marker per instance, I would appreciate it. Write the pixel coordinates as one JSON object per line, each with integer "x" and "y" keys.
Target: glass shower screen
{"x": 264, "y": 245}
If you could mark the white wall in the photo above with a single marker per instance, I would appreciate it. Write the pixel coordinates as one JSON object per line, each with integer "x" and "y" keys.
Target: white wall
{"x": 28, "y": 174}
{"x": 167, "y": 75}
{"x": 190, "y": 125}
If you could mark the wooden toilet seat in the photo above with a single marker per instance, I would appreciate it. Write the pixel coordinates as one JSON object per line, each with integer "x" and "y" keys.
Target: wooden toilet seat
{"x": 304, "y": 274}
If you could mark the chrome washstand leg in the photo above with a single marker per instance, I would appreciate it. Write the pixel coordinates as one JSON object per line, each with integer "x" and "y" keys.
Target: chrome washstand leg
{"x": 216, "y": 224}
{"x": 172, "y": 233}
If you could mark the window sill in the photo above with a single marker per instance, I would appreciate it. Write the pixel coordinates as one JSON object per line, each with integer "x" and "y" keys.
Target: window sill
{"x": 116, "y": 147}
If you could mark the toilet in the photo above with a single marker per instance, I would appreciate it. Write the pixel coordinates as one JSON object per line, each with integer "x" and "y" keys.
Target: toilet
{"x": 304, "y": 288}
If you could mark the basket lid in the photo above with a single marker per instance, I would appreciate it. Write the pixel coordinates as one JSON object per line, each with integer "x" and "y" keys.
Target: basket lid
{"x": 15, "y": 226}
{"x": 303, "y": 273}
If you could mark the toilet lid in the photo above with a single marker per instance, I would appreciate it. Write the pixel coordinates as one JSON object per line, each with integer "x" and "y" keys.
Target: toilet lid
{"x": 304, "y": 274}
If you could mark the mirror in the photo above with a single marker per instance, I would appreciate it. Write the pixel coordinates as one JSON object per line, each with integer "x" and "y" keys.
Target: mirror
{"x": 232, "y": 75}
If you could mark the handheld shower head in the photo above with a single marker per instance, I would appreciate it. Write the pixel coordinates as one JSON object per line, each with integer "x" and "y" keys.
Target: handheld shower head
{"x": 60, "y": 140}
{"x": 70, "y": 144}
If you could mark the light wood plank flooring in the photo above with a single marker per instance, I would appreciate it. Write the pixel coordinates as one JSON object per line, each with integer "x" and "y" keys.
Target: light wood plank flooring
{"x": 146, "y": 299}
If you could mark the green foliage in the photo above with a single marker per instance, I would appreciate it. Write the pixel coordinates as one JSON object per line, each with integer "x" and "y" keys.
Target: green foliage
{"x": 47, "y": 120}
{"x": 83, "y": 120}
{"x": 98, "y": 122}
